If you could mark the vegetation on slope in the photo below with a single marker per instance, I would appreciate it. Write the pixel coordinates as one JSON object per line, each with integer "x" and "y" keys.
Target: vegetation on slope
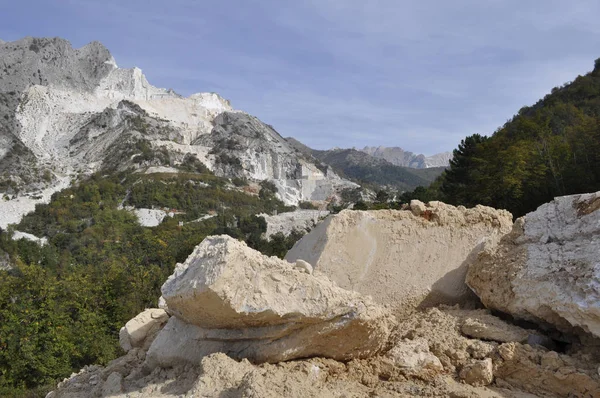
{"x": 63, "y": 304}
{"x": 549, "y": 149}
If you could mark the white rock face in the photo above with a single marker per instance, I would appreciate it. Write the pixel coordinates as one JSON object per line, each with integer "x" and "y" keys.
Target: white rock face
{"x": 55, "y": 101}
{"x": 300, "y": 220}
{"x": 24, "y": 235}
{"x": 264, "y": 155}
{"x": 547, "y": 269}
{"x": 12, "y": 210}
{"x": 150, "y": 217}
{"x": 402, "y": 258}
{"x": 50, "y": 116}
{"x": 229, "y": 298}
{"x": 71, "y": 111}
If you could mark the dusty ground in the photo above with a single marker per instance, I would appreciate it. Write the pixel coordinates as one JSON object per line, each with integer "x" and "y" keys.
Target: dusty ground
{"x": 519, "y": 370}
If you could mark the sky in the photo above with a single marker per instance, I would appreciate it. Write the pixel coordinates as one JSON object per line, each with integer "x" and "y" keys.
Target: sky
{"x": 421, "y": 75}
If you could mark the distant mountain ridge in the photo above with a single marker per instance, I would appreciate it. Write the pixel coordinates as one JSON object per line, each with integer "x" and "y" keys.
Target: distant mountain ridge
{"x": 369, "y": 170}
{"x": 400, "y": 157}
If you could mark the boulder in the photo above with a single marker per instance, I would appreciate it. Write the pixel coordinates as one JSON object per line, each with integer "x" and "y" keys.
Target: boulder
{"x": 229, "y": 298}
{"x": 405, "y": 258}
{"x": 547, "y": 270}
{"x": 144, "y": 325}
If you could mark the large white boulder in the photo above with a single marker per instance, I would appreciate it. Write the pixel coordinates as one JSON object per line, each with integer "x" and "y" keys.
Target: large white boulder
{"x": 229, "y": 298}
{"x": 404, "y": 258}
{"x": 548, "y": 268}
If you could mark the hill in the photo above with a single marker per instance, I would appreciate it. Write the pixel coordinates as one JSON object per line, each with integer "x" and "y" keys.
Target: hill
{"x": 546, "y": 150}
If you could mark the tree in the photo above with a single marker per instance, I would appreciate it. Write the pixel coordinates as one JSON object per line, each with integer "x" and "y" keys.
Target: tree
{"x": 382, "y": 197}
{"x": 268, "y": 190}
{"x": 546, "y": 150}
{"x": 462, "y": 172}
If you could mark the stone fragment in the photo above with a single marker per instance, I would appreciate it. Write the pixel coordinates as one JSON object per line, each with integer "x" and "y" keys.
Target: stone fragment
{"x": 551, "y": 361}
{"x": 145, "y": 324}
{"x": 113, "y": 385}
{"x": 303, "y": 266}
{"x": 414, "y": 358}
{"x": 478, "y": 373}
{"x": 488, "y": 327}
{"x": 417, "y": 207}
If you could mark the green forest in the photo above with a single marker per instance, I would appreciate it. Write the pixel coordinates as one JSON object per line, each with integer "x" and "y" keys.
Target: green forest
{"x": 62, "y": 305}
{"x": 546, "y": 150}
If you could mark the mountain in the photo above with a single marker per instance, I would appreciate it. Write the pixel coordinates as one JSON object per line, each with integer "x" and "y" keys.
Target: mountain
{"x": 67, "y": 113}
{"x": 370, "y": 170}
{"x": 400, "y": 157}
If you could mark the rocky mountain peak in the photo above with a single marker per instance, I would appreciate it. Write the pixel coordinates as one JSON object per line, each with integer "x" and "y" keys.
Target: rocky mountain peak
{"x": 212, "y": 101}
{"x": 66, "y": 111}
{"x": 52, "y": 61}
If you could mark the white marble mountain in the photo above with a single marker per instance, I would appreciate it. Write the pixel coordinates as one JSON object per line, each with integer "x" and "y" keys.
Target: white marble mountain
{"x": 66, "y": 112}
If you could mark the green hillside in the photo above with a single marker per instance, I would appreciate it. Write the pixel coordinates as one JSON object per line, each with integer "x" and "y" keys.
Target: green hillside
{"x": 62, "y": 304}
{"x": 549, "y": 149}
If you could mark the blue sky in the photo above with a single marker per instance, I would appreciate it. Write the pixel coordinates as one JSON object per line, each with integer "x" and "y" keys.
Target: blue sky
{"x": 416, "y": 74}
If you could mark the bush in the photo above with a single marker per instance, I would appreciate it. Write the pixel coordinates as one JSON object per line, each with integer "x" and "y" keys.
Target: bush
{"x": 192, "y": 164}
{"x": 239, "y": 181}
{"x": 360, "y": 205}
{"x": 268, "y": 190}
{"x": 307, "y": 206}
